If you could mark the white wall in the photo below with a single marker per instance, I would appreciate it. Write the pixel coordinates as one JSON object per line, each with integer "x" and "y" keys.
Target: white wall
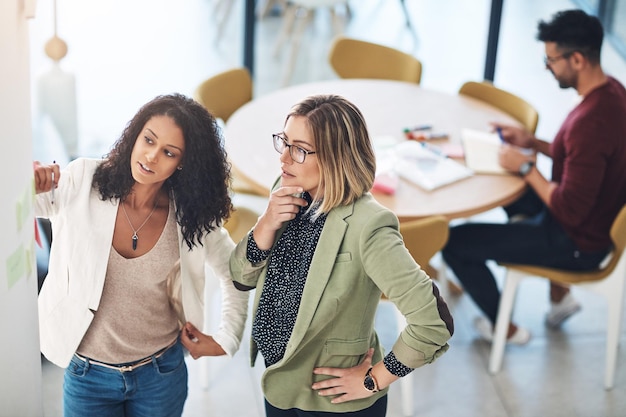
{"x": 20, "y": 362}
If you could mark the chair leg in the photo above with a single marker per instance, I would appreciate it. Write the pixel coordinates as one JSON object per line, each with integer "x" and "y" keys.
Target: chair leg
{"x": 223, "y": 17}
{"x": 615, "y": 299}
{"x": 286, "y": 29}
{"x": 507, "y": 301}
{"x": 301, "y": 25}
{"x": 453, "y": 288}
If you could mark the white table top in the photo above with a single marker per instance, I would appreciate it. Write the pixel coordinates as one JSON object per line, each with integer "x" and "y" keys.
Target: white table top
{"x": 388, "y": 108}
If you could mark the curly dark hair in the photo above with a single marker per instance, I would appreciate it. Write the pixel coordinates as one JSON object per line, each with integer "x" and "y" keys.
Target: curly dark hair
{"x": 574, "y": 30}
{"x": 201, "y": 189}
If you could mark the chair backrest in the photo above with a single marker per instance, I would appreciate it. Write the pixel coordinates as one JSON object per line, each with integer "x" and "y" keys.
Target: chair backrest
{"x": 353, "y": 58}
{"x": 241, "y": 220}
{"x": 424, "y": 238}
{"x": 223, "y": 93}
{"x": 515, "y": 106}
{"x": 618, "y": 236}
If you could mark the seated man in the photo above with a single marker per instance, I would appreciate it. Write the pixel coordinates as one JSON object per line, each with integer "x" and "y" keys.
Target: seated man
{"x": 566, "y": 220}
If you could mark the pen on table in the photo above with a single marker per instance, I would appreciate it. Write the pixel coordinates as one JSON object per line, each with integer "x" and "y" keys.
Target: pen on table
{"x": 499, "y": 130}
{"x": 409, "y": 131}
{"x": 421, "y": 127}
{"x": 52, "y": 189}
{"x": 434, "y": 149}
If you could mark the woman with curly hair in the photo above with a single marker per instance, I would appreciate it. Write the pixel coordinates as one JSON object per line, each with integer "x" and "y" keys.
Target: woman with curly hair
{"x": 131, "y": 236}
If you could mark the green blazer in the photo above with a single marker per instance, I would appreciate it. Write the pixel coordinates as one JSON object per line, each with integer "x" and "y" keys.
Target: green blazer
{"x": 360, "y": 254}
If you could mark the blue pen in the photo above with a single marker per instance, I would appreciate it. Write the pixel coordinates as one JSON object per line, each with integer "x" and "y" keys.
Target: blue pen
{"x": 499, "y": 130}
{"x": 437, "y": 151}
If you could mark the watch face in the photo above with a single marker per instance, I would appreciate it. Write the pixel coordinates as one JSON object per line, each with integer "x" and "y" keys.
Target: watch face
{"x": 369, "y": 383}
{"x": 525, "y": 168}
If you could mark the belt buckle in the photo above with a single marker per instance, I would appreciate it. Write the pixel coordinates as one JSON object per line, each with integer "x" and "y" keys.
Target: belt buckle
{"x": 126, "y": 368}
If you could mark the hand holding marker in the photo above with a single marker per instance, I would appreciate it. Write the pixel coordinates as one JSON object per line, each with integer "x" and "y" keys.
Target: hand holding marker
{"x": 52, "y": 189}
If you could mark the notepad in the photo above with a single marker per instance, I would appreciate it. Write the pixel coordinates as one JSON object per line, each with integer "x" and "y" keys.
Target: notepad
{"x": 426, "y": 167}
{"x": 481, "y": 151}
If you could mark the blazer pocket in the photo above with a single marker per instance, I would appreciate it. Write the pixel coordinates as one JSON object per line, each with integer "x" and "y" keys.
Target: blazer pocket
{"x": 341, "y": 354}
{"x": 346, "y": 347}
{"x": 343, "y": 257}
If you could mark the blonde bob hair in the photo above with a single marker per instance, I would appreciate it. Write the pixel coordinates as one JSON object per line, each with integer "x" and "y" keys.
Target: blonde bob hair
{"x": 343, "y": 149}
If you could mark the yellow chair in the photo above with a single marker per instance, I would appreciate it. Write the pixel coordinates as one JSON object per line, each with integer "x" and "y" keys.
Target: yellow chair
{"x": 222, "y": 94}
{"x": 515, "y": 106}
{"x": 241, "y": 220}
{"x": 354, "y": 58}
{"x": 608, "y": 281}
{"x": 423, "y": 238}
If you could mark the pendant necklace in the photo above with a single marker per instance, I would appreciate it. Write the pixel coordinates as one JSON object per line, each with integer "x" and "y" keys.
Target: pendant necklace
{"x": 135, "y": 231}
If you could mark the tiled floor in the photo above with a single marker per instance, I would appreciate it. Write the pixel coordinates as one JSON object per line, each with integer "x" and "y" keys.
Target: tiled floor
{"x": 124, "y": 53}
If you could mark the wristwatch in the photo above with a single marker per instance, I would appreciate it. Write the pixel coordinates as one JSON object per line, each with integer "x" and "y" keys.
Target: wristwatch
{"x": 525, "y": 168}
{"x": 369, "y": 382}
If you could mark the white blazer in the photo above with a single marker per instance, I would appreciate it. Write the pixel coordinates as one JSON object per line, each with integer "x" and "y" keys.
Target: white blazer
{"x": 82, "y": 230}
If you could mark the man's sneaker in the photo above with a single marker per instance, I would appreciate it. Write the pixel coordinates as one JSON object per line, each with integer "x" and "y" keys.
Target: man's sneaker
{"x": 516, "y": 218}
{"x": 561, "y": 311}
{"x": 485, "y": 330}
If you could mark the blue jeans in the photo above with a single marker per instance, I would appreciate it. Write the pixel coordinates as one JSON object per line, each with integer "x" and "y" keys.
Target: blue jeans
{"x": 157, "y": 389}
{"x": 538, "y": 240}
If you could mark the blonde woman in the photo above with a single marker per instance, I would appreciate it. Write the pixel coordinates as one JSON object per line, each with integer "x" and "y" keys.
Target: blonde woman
{"x": 320, "y": 256}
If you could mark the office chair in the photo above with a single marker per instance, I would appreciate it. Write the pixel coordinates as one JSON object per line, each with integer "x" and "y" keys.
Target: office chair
{"x": 222, "y": 94}
{"x": 423, "y": 238}
{"x": 354, "y": 58}
{"x": 265, "y": 8}
{"x": 515, "y": 106}
{"x": 241, "y": 220}
{"x": 608, "y": 281}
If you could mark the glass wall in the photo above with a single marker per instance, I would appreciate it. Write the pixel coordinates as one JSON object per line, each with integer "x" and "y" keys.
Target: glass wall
{"x": 616, "y": 16}
{"x": 612, "y": 13}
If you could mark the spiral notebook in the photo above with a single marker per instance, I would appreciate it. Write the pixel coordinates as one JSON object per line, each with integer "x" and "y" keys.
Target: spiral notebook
{"x": 481, "y": 151}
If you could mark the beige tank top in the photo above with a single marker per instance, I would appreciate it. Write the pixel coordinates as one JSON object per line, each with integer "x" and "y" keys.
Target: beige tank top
{"x": 135, "y": 318}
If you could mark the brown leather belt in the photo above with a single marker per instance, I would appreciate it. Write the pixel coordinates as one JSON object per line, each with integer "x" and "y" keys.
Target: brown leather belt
{"x": 127, "y": 367}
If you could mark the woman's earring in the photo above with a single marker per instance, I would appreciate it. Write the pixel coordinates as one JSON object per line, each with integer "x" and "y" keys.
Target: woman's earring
{"x": 179, "y": 168}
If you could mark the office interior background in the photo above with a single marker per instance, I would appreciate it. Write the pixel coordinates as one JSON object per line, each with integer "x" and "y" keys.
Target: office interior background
{"x": 122, "y": 54}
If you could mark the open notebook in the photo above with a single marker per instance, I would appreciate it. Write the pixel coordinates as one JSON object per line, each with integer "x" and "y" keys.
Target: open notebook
{"x": 420, "y": 164}
{"x": 481, "y": 151}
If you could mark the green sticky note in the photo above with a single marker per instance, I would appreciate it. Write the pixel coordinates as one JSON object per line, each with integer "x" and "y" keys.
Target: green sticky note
{"x": 23, "y": 207}
{"x": 16, "y": 266}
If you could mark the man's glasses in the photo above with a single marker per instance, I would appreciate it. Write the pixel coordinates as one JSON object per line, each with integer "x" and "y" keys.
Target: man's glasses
{"x": 297, "y": 153}
{"x": 549, "y": 60}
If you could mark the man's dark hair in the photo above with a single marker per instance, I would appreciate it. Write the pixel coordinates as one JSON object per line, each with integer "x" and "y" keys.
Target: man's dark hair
{"x": 574, "y": 30}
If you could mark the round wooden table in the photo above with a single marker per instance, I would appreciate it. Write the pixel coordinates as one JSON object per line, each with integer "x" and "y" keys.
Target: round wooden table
{"x": 388, "y": 108}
